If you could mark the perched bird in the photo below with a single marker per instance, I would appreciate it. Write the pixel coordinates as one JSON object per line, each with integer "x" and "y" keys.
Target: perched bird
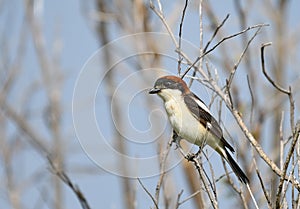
{"x": 192, "y": 120}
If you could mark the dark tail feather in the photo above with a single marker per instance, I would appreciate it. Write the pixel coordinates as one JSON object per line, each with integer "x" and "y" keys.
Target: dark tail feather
{"x": 236, "y": 169}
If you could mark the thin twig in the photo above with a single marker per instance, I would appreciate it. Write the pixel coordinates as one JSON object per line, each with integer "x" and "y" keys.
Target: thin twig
{"x": 213, "y": 183}
{"x": 230, "y": 181}
{"x": 206, "y": 185}
{"x": 230, "y": 100}
{"x": 285, "y": 186}
{"x": 149, "y": 194}
{"x": 220, "y": 42}
{"x": 200, "y": 41}
{"x": 178, "y": 198}
{"x": 162, "y": 170}
{"x": 235, "y": 188}
{"x": 162, "y": 18}
{"x": 65, "y": 178}
{"x": 189, "y": 197}
{"x": 180, "y": 36}
{"x": 200, "y": 32}
{"x": 286, "y": 164}
{"x": 252, "y": 99}
{"x": 35, "y": 139}
{"x": 279, "y": 88}
{"x": 193, "y": 158}
{"x": 159, "y": 6}
{"x": 298, "y": 165}
{"x": 215, "y": 33}
{"x": 294, "y": 131}
{"x": 232, "y": 73}
{"x": 260, "y": 151}
{"x": 262, "y": 185}
{"x": 281, "y": 146}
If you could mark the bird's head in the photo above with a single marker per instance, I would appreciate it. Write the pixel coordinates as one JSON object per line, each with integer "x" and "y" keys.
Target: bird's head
{"x": 169, "y": 87}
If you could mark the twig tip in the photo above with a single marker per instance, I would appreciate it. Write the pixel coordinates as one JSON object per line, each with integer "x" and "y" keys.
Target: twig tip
{"x": 266, "y": 44}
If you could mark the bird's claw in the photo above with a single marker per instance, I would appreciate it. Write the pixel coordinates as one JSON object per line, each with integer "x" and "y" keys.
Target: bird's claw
{"x": 176, "y": 140}
{"x": 175, "y": 137}
{"x": 191, "y": 156}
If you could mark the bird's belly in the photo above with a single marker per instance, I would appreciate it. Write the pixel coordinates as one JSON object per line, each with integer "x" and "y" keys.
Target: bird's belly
{"x": 185, "y": 125}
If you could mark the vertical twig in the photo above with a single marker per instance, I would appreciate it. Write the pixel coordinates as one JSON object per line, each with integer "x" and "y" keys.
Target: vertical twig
{"x": 178, "y": 199}
{"x": 206, "y": 181}
{"x": 261, "y": 181}
{"x": 200, "y": 41}
{"x": 286, "y": 164}
{"x": 281, "y": 150}
{"x": 232, "y": 73}
{"x": 162, "y": 170}
{"x": 180, "y": 36}
{"x": 252, "y": 99}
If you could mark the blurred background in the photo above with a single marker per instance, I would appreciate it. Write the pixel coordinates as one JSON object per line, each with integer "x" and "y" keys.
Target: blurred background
{"x": 73, "y": 99}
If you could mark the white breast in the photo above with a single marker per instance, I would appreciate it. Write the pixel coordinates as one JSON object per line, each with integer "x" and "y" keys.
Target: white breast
{"x": 184, "y": 123}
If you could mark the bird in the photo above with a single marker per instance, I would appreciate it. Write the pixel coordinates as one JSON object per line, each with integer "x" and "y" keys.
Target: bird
{"x": 191, "y": 119}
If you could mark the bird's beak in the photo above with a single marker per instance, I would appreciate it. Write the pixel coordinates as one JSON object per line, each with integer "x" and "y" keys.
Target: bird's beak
{"x": 154, "y": 90}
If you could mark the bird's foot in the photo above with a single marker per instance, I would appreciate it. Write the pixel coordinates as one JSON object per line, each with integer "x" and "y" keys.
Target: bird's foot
{"x": 175, "y": 137}
{"x": 191, "y": 156}
{"x": 176, "y": 140}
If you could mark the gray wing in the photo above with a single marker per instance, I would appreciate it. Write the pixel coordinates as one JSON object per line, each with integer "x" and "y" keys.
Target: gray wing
{"x": 206, "y": 119}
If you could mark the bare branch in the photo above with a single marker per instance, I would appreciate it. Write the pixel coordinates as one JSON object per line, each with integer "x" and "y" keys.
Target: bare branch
{"x": 286, "y": 164}
{"x": 232, "y": 73}
{"x": 208, "y": 43}
{"x": 260, "y": 151}
{"x": 215, "y": 33}
{"x": 189, "y": 197}
{"x": 205, "y": 183}
{"x": 262, "y": 185}
{"x": 180, "y": 35}
{"x": 286, "y": 185}
{"x": 162, "y": 170}
{"x": 65, "y": 178}
{"x": 178, "y": 198}
{"x": 193, "y": 158}
{"x": 220, "y": 42}
{"x": 262, "y": 48}
{"x": 150, "y": 195}
{"x": 252, "y": 99}
{"x": 35, "y": 139}
{"x": 162, "y": 18}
